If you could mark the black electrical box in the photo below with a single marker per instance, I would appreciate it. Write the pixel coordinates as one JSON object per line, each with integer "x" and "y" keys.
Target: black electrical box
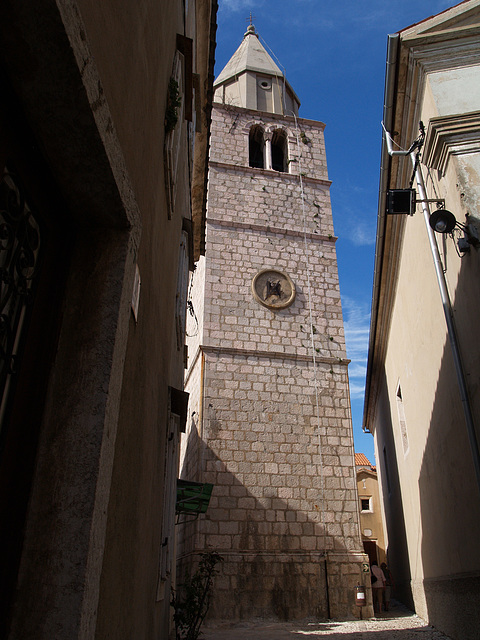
{"x": 401, "y": 201}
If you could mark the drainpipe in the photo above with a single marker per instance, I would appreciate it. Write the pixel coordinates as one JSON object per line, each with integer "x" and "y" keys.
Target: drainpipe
{"x": 388, "y": 110}
{"x": 327, "y": 593}
{"x": 446, "y": 303}
{"x": 202, "y": 394}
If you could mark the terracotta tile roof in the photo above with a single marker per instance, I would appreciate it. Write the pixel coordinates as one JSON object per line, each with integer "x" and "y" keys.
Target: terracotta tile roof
{"x": 362, "y": 460}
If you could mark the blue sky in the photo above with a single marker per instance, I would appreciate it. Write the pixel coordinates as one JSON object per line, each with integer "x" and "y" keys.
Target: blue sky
{"x": 333, "y": 54}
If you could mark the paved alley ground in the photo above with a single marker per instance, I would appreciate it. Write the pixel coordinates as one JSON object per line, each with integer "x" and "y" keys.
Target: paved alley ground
{"x": 397, "y": 624}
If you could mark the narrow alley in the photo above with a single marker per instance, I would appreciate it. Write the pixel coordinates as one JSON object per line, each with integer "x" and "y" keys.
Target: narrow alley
{"x": 397, "y": 624}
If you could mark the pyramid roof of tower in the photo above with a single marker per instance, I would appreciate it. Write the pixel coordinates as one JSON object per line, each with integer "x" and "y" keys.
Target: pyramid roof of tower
{"x": 251, "y": 55}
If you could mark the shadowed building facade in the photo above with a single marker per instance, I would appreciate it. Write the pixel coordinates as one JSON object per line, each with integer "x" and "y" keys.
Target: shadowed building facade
{"x": 269, "y": 417}
{"x": 98, "y": 229}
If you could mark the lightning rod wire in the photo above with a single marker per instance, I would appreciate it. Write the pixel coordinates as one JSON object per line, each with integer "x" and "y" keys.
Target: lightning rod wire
{"x": 312, "y": 339}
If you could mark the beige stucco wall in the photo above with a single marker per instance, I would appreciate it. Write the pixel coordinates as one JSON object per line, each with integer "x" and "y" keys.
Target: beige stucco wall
{"x": 455, "y": 90}
{"x": 430, "y": 495}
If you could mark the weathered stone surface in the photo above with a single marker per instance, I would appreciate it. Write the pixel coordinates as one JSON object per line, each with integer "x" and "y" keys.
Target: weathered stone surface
{"x": 270, "y": 419}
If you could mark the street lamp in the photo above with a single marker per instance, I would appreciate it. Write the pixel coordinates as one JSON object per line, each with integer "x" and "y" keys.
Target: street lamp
{"x": 404, "y": 202}
{"x": 442, "y": 221}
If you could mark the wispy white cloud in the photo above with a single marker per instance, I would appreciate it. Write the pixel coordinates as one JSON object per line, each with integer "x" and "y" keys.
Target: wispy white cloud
{"x": 319, "y": 22}
{"x": 357, "y": 369}
{"x": 362, "y": 235}
{"x": 239, "y": 5}
{"x": 357, "y": 390}
{"x": 371, "y": 18}
{"x": 357, "y": 326}
{"x": 360, "y": 232}
{"x": 377, "y": 14}
{"x": 354, "y": 212}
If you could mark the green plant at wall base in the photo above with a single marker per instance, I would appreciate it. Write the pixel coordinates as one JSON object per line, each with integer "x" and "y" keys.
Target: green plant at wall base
{"x": 191, "y": 607}
{"x": 173, "y": 102}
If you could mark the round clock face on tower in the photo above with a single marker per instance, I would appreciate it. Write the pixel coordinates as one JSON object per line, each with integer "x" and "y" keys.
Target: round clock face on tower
{"x": 273, "y": 289}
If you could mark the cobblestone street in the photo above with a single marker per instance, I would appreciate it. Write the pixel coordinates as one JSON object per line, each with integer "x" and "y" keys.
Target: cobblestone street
{"x": 397, "y": 624}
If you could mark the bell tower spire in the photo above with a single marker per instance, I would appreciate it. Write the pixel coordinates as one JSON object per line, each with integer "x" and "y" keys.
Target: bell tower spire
{"x": 270, "y": 423}
{"x": 252, "y": 80}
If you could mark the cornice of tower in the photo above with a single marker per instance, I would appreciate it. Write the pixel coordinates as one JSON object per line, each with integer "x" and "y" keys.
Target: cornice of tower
{"x": 268, "y": 115}
{"x": 233, "y": 224}
{"x": 275, "y": 355}
{"x": 269, "y": 172}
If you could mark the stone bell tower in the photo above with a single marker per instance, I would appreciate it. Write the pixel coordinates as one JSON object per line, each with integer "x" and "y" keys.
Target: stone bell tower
{"x": 269, "y": 415}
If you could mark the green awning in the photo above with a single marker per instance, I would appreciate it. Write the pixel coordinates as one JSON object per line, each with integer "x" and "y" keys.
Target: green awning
{"x": 192, "y": 497}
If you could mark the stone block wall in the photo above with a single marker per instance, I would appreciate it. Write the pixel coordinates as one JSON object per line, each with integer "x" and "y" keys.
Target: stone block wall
{"x": 346, "y": 571}
{"x": 281, "y": 476}
{"x": 306, "y": 144}
{"x": 270, "y": 422}
{"x": 282, "y": 586}
{"x": 232, "y": 315}
{"x": 266, "y": 198}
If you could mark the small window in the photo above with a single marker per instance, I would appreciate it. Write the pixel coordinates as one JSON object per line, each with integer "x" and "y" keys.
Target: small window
{"x": 174, "y": 117}
{"x": 387, "y": 472}
{"x": 181, "y": 295}
{"x": 169, "y": 495}
{"x": 256, "y": 147}
{"x": 279, "y": 150}
{"x": 402, "y": 421}
{"x": 366, "y": 504}
{"x": 264, "y": 95}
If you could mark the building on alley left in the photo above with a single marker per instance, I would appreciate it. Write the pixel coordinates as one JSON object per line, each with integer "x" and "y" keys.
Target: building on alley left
{"x": 105, "y": 117}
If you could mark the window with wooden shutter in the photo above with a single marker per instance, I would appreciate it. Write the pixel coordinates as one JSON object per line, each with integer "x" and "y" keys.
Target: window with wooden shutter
{"x": 167, "y": 548}
{"x": 174, "y": 117}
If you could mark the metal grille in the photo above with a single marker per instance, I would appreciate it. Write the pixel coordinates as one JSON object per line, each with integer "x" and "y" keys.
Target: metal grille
{"x": 20, "y": 244}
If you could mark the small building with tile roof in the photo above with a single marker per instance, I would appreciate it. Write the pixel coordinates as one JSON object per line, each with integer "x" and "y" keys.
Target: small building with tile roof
{"x": 361, "y": 460}
{"x": 371, "y": 525}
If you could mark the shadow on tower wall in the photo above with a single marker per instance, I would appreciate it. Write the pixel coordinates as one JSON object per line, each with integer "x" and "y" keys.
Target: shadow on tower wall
{"x": 274, "y": 562}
